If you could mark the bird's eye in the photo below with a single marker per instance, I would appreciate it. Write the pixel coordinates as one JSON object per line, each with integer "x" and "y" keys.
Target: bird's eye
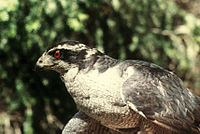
{"x": 57, "y": 54}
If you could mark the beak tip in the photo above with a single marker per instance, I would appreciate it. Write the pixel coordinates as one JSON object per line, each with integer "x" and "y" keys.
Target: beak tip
{"x": 38, "y": 67}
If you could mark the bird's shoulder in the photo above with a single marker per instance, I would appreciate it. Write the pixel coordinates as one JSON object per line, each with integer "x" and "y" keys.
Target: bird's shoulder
{"x": 144, "y": 68}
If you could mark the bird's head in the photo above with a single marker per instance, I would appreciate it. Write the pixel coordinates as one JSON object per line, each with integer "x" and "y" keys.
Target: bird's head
{"x": 63, "y": 56}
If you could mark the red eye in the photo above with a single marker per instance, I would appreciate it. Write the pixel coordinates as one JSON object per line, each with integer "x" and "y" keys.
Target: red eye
{"x": 57, "y": 54}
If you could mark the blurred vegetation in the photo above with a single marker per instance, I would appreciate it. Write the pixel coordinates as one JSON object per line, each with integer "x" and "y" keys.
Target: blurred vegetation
{"x": 164, "y": 32}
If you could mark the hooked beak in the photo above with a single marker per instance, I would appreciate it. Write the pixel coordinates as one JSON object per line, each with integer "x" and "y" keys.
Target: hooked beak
{"x": 39, "y": 66}
{"x": 43, "y": 63}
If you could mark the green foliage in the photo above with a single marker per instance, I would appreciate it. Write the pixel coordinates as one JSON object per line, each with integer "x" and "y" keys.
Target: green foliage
{"x": 155, "y": 30}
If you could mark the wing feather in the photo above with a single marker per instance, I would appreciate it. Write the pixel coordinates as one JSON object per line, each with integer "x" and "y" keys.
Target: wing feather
{"x": 160, "y": 96}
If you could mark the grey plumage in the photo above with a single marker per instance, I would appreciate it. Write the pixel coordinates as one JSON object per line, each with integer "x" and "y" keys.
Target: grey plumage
{"x": 116, "y": 96}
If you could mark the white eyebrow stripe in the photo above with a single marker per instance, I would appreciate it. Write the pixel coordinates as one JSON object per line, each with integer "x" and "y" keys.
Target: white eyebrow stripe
{"x": 71, "y": 47}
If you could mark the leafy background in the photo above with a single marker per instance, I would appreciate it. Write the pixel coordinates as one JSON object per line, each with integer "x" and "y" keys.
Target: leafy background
{"x": 164, "y": 32}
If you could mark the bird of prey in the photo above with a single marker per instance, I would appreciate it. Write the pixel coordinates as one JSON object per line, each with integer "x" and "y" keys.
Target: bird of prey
{"x": 121, "y": 97}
